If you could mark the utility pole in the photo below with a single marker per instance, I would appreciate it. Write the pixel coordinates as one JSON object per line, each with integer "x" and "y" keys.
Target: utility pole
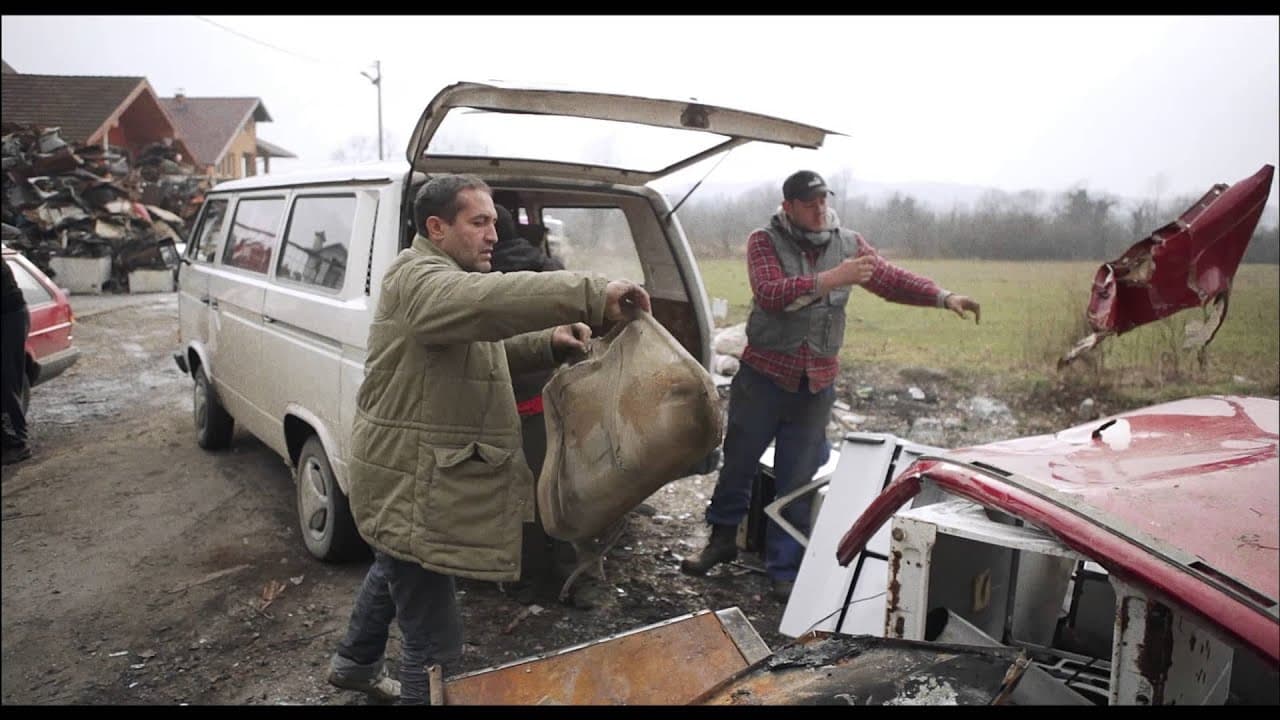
{"x": 377, "y": 81}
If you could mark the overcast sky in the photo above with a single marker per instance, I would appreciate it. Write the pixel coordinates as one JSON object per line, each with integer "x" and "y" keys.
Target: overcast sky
{"x": 1127, "y": 105}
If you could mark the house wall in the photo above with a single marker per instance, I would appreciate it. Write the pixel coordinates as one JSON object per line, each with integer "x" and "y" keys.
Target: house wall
{"x": 117, "y": 137}
{"x": 141, "y": 123}
{"x": 245, "y": 144}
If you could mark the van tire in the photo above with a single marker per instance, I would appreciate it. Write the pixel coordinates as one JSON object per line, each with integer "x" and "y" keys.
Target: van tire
{"x": 324, "y": 515}
{"x": 213, "y": 422}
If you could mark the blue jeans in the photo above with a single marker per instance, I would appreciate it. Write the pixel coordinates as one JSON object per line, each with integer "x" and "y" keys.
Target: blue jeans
{"x": 426, "y": 606}
{"x": 760, "y": 412}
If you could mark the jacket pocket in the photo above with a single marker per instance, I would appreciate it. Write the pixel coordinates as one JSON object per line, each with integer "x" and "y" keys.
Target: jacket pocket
{"x": 473, "y": 451}
{"x": 467, "y": 502}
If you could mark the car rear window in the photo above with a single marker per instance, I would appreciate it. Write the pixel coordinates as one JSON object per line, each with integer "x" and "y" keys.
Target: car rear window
{"x": 32, "y": 291}
{"x": 253, "y": 234}
{"x": 316, "y": 243}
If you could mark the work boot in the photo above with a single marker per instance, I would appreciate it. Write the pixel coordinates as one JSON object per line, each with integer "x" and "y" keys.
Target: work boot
{"x": 376, "y": 683}
{"x": 721, "y": 548}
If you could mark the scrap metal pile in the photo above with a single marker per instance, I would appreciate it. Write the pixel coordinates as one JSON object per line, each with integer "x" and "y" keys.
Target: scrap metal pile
{"x": 62, "y": 199}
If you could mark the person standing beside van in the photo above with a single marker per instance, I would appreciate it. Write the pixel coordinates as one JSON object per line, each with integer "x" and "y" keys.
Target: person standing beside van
{"x": 514, "y": 253}
{"x": 16, "y": 323}
{"x": 439, "y": 485}
{"x": 801, "y": 267}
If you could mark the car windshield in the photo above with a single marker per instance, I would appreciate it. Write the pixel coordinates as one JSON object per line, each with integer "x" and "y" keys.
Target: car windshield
{"x": 588, "y": 141}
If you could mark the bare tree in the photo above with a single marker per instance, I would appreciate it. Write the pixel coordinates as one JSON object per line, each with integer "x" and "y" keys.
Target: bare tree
{"x": 1158, "y": 183}
{"x": 363, "y": 148}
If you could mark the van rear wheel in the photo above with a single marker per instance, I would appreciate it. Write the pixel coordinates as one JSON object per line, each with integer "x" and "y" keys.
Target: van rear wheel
{"x": 213, "y": 422}
{"x": 324, "y": 515}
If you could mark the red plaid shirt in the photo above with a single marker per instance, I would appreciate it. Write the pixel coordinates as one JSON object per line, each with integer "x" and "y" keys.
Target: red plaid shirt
{"x": 774, "y": 290}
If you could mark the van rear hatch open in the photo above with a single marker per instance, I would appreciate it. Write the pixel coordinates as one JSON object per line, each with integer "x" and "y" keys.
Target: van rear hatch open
{"x": 647, "y": 138}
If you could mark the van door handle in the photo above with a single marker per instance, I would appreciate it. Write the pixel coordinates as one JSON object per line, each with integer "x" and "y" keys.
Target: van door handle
{"x": 213, "y": 303}
{"x": 268, "y": 319}
{"x": 205, "y": 299}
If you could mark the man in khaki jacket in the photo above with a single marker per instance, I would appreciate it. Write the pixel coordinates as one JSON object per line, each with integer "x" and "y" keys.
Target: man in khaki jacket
{"x": 439, "y": 485}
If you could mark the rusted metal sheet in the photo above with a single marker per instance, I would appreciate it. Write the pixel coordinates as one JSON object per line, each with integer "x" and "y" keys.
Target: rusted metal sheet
{"x": 1188, "y": 263}
{"x": 826, "y": 669}
{"x": 668, "y": 663}
{"x": 1162, "y": 658}
{"x": 1180, "y": 498}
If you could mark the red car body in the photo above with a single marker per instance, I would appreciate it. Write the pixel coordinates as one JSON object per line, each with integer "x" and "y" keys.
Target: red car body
{"x": 1180, "y": 498}
{"x": 49, "y": 346}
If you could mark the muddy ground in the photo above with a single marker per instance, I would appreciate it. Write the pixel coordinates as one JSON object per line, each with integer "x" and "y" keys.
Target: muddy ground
{"x": 140, "y": 569}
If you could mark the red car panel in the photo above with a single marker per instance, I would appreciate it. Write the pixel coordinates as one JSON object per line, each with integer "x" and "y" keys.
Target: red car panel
{"x": 49, "y": 341}
{"x": 1188, "y": 263}
{"x": 1181, "y": 497}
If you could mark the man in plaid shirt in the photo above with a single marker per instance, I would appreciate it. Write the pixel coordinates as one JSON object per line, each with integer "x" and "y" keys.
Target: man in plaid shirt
{"x": 802, "y": 267}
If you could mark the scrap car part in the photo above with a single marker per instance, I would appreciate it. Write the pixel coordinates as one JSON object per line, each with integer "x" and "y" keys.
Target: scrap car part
{"x": 1188, "y": 263}
{"x": 1173, "y": 497}
{"x": 825, "y": 669}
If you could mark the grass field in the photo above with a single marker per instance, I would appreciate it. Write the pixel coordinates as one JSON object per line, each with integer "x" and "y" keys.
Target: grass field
{"x": 1033, "y": 312}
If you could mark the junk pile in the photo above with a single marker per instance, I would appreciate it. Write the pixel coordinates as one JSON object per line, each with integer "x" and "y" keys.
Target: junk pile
{"x": 73, "y": 201}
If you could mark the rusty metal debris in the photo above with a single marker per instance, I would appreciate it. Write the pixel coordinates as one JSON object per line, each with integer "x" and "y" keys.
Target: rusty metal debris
{"x": 668, "y": 663}
{"x": 68, "y": 200}
{"x": 723, "y": 661}
{"x": 825, "y": 669}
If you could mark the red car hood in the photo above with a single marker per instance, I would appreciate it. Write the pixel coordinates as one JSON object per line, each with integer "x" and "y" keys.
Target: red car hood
{"x": 1188, "y": 263}
{"x": 1181, "y": 497}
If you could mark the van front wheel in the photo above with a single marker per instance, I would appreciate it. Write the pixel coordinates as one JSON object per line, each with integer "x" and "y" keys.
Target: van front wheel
{"x": 324, "y": 516}
{"x": 213, "y": 422}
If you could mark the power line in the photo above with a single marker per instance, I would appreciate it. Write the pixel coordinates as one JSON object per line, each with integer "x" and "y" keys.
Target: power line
{"x": 377, "y": 81}
{"x": 266, "y": 44}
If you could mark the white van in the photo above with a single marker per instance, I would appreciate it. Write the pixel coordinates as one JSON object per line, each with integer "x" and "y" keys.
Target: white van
{"x": 282, "y": 272}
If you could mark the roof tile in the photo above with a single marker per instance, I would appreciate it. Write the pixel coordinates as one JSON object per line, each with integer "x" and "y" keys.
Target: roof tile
{"x": 79, "y": 104}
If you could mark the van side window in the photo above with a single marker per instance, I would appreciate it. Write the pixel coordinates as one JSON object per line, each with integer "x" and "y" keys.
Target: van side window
{"x": 206, "y": 236}
{"x": 253, "y": 234}
{"x": 315, "y": 245}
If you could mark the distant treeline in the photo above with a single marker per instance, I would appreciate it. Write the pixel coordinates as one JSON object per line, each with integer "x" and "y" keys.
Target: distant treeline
{"x": 1075, "y": 224}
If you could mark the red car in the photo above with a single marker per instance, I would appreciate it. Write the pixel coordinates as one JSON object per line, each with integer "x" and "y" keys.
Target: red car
{"x": 49, "y": 347}
{"x": 1176, "y": 502}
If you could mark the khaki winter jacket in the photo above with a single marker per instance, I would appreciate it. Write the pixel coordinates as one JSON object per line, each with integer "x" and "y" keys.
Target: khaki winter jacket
{"x": 437, "y": 472}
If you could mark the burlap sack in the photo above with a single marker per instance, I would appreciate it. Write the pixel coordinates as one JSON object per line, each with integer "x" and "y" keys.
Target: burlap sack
{"x": 639, "y": 412}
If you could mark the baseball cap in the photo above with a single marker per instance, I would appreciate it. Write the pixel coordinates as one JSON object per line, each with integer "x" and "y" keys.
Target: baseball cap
{"x": 804, "y": 185}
